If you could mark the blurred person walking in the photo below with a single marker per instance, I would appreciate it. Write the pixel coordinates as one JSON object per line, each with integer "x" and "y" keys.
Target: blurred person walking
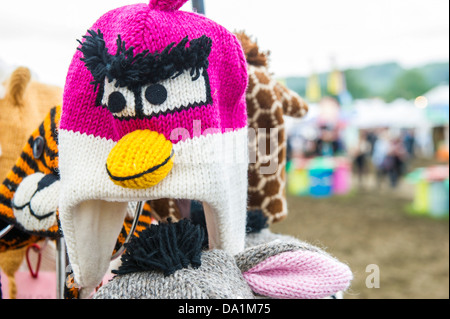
{"x": 379, "y": 156}
{"x": 409, "y": 141}
{"x": 360, "y": 153}
{"x": 396, "y": 158}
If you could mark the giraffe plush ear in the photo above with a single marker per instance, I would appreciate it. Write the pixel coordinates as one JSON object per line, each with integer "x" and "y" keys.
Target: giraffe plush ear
{"x": 293, "y": 104}
{"x": 253, "y": 54}
{"x": 293, "y": 270}
{"x": 17, "y": 85}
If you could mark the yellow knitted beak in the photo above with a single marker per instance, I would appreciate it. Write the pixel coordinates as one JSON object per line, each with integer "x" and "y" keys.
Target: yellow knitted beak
{"x": 141, "y": 159}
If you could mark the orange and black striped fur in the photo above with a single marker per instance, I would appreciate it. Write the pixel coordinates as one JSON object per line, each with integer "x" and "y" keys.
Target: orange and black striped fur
{"x": 26, "y": 165}
{"x": 46, "y": 163}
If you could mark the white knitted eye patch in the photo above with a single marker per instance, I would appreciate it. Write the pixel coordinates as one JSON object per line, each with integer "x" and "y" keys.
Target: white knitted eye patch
{"x": 171, "y": 95}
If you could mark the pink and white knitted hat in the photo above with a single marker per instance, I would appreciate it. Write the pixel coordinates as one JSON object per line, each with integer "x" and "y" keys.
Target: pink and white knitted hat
{"x": 153, "y": 107}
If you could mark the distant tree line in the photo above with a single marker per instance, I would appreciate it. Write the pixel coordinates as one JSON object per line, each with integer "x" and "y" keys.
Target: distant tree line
{"x": 388, "y": 81}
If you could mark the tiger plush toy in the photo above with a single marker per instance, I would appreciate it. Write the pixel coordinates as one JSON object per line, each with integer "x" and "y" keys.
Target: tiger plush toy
{"x": 24, "y": 102}
{"x": 29, "y": 194}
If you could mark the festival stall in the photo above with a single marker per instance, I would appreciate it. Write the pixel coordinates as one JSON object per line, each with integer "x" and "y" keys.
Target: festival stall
{"x": 431, "y": 197}
{"x": 319, "y": 177}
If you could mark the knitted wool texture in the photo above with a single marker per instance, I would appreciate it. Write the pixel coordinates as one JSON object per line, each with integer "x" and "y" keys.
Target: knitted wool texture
{"x": 35, "y": 205}
{"x": 293, "y": 269}
{"x": 324, "y": 275}
{"x": 216, "y": 278}
{"x": 200, "y": 108}
{"x": 266, "y": 236}
{"x": 135, "y": 145}
{"x": 275, "y": 270}
{"x": 168, "y": 261}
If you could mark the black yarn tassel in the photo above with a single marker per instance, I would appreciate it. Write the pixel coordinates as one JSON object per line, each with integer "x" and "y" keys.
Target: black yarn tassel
{"x": 164, "y": 247}
{"x": 256, "y": 221}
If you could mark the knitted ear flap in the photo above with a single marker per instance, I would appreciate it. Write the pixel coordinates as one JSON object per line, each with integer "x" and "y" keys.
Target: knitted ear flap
{"x": 293, "y": 270}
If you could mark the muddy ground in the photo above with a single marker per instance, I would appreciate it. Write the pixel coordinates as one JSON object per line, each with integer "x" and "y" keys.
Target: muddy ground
{"x": 372, "y": 226}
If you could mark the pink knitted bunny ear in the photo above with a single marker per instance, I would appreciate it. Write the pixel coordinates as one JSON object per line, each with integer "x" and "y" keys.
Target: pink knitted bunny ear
{"x": 292, "y": 271}
{"x": 166, "y": 5}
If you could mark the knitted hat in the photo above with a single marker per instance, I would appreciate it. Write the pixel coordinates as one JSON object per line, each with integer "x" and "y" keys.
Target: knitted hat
{"x": 167, "y": 262}
{"x": 153, "y": 107}
{"x": 293, "y": 269}
{"x": 265, "y": 238}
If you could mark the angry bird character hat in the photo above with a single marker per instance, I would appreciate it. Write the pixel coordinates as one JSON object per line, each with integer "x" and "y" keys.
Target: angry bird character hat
{"x": 153, "y": 107}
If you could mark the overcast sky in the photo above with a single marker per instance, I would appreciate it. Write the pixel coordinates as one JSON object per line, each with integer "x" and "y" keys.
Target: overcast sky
{"x": 303, "y": 36}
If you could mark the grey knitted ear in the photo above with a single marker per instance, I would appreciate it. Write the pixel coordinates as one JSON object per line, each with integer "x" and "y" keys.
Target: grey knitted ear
{"x": 293, "y": 270}
{"x": 253, "y": 256}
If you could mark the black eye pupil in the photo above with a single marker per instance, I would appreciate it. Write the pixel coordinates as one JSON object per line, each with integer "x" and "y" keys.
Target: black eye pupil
{"x": 156, "y": 94}
{"x": 116, "y": 102}
{"x": 38, "y": 147}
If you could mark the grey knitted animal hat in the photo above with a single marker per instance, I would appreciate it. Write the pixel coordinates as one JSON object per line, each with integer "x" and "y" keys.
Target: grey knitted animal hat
{"x": 170, "y": 261}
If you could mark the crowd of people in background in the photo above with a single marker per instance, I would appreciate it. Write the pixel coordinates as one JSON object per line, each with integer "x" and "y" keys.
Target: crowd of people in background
{"x": 385, "y": 152}
{"x": 389, "y": 151}
{"x": 324, "y": 141}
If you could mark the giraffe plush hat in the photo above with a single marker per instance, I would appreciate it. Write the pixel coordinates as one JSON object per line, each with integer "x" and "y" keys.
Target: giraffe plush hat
{"x": 153, "y": 107}
{"x": 267, "y": 102}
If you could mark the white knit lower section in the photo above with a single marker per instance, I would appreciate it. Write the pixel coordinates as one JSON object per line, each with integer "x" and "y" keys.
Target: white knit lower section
{"x": 211, "y": 169}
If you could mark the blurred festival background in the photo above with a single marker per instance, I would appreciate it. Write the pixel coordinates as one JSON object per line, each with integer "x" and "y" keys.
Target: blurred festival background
{"x": 367, "y": 172}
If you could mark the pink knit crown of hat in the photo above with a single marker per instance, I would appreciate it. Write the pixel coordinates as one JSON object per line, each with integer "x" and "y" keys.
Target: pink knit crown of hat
{"x": 157, "y": 28}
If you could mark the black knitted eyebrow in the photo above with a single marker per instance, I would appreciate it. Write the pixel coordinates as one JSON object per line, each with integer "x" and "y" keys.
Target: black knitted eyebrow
{"x": 129, "y": 70}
